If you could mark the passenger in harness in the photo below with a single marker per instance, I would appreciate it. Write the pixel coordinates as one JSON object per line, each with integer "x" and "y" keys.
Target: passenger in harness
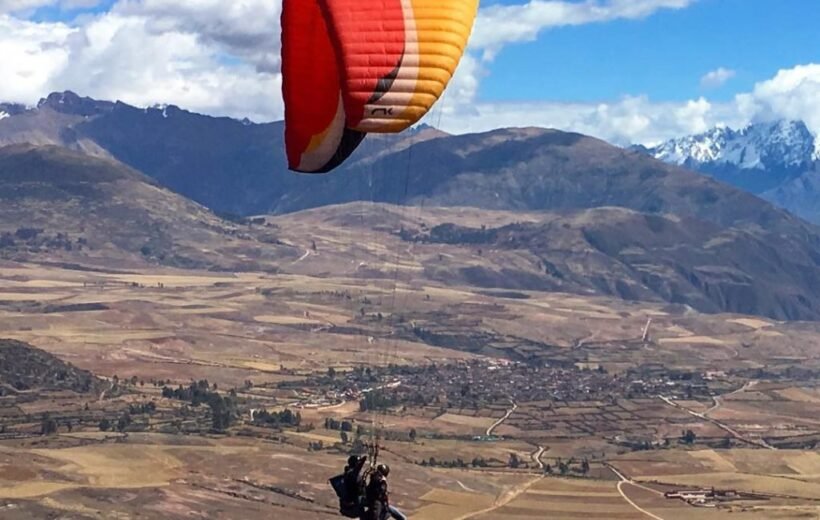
{"x": 377, "y": 497}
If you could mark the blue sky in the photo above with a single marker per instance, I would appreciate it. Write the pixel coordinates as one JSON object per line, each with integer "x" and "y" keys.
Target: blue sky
{"x": 55, "y": 12}
{"x": 628, "y": 71}
{"x": 663, "y": 56}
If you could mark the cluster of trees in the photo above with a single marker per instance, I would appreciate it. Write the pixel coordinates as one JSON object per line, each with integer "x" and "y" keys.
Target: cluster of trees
{"x": 121, "y": 425}
{"x": 378, "y": 400}
{"x": 277, "y": 419}
{"x": 196, "y": 393}
{"x": 566, "y": 467}
{"x": 223, "y": 409}
{"x": 477, "y": 462}
{"x": 35, "y": 237}
{"x": 434, "y": 463}
{"x": 48, "y": 426}
{"x": 333, "y": 424}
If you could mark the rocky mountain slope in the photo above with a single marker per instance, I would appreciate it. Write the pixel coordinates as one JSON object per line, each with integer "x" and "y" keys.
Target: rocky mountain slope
{"x": 25, "y": 368}
{"x": 56, "y": 203}
{"x": 635, "y": 256}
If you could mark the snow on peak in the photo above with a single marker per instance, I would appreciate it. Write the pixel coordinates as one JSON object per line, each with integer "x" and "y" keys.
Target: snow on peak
{"x": 782, "y": 143}
{"x": 4, "y": 115}
{"x": 702, "y": 148}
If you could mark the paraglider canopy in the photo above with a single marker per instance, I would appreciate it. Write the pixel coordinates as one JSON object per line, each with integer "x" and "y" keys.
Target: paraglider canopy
{"x": 350, "y": 67}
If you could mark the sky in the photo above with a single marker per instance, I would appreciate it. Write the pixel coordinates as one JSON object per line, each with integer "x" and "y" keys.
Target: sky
{"x": 628, "y": 71}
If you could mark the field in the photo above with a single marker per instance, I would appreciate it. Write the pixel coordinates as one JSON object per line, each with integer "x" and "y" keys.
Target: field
{"x": 257, "y": 333}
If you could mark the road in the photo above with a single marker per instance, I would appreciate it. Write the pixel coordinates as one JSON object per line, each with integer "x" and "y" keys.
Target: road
{"x": 731, "y": 431}
{"x": 630, "y": 482}
{"x": 536, "y": 457}
{"x": 499, "y": 422}
{"x": 719, "y": 398}
{"x": 503, "y": 500}
{"x": 303, "y": 257}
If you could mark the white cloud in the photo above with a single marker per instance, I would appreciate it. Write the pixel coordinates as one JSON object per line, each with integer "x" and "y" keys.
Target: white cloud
{"x": 630, "y": 120}
{"x": 717, "y": 78}
{"x": 122, "y": 57}
{"x": 140, "y": 58}
{"x": 500, "y": 25}
{"x": 32, "y": 54}
{"x": 792, "y": 93}
{"x": 249, "y": 30}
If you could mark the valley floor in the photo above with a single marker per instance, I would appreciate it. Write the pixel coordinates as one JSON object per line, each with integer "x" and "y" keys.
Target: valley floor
{"x": 525, "y": 405}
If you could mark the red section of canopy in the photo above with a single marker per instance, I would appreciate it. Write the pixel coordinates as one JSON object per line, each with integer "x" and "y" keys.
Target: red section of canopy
{"x": 310, "y": 76}
{"x": 370, "y": 35}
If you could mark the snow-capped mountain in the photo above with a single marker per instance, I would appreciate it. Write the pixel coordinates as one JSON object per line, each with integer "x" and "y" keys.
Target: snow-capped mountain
{"x": 758, "y": 158}
{"x": 758, "y": 146}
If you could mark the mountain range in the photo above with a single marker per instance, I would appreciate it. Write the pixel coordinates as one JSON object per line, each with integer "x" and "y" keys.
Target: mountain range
{"x": 90, "y": 181}
{"x": 776, "y": 160}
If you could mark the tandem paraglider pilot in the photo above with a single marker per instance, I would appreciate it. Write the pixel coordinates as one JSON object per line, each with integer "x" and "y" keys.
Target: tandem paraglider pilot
{"x": 365, "y": 494}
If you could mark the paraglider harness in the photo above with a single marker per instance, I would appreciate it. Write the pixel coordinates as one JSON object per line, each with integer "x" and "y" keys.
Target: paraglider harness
{"x": 351, "y": 485}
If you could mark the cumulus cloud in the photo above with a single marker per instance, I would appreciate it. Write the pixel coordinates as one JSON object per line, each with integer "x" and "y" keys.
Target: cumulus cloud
{"x": 145, "y": 54}
{"x": 792, "y": 93}
{"x": 249, "y": 30}
{"x": 124, "y": 57}
{"x": 32, "y": 55}
{"x": 717, "y": 78}
{"x": 633, "y": 119}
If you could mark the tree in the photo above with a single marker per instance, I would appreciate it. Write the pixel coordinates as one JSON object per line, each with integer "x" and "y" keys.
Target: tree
{"x": 345, "y": 439}
{"x": 413, "y": 434}
{"x": 514, "y": 461}
{"x": 585, "y": 466}
{"x": 48, "y": 426}
{"x": 105, "y": 425}
{"x": 689, "y": 437}
{"x": 124, "y": 422}
{"x": 331, "y": 373}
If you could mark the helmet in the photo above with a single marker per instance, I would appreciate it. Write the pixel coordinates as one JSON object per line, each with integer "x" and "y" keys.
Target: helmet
{"x": 383, "y": 469}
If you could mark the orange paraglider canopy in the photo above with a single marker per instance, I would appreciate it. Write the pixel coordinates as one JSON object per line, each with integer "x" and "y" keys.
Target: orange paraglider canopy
{"x": 355, "y": 66}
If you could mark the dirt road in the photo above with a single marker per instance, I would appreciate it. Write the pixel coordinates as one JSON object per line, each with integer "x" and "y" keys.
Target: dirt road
{"x": 499, "y": 422}
{"x": 625, "y": 481}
